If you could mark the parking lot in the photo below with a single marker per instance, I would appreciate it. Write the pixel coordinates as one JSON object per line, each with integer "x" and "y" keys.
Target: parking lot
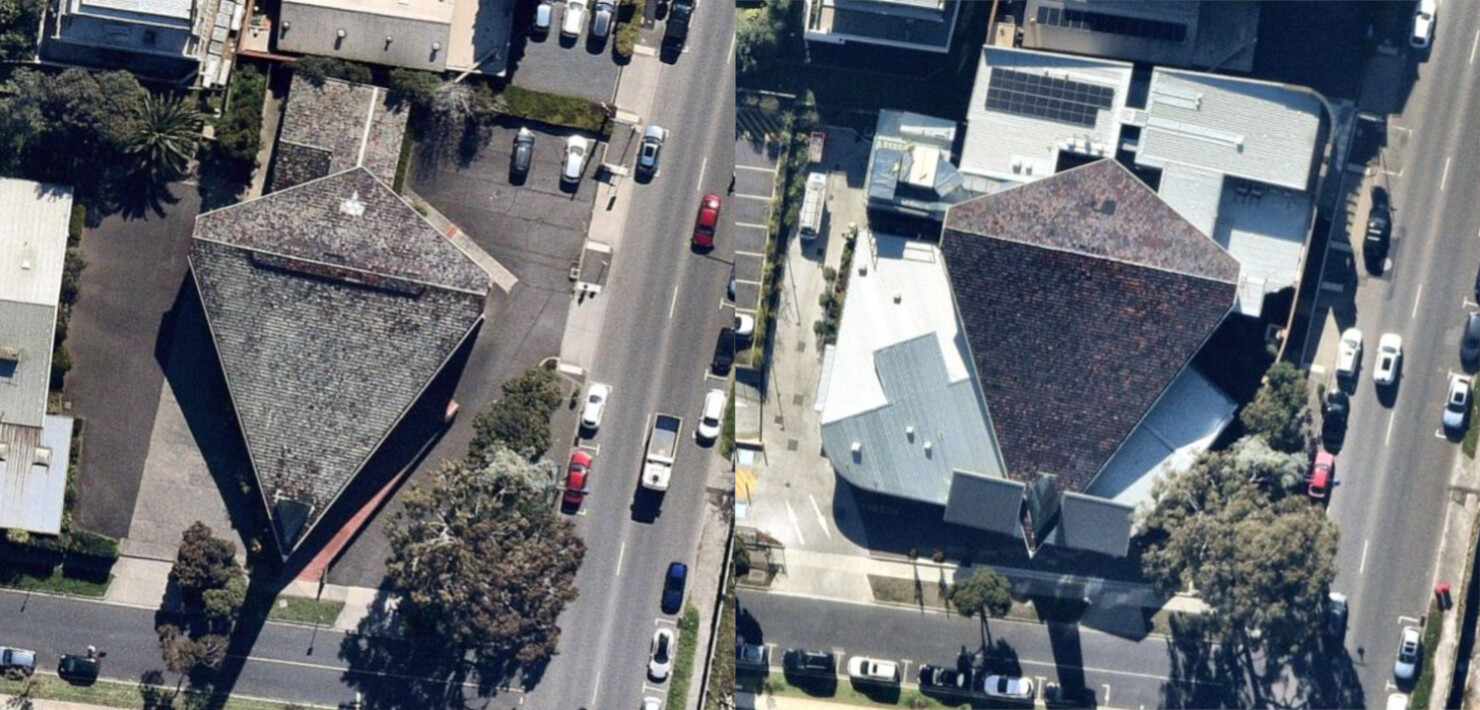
{"x": 582, "y": 67}
{"x": 755, "y": 183}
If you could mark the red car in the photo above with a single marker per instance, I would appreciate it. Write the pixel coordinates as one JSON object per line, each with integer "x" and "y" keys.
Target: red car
{"x": 575, "y": 478}
{"x": 706, "y": 222}
{"x": 1321, "y": 474}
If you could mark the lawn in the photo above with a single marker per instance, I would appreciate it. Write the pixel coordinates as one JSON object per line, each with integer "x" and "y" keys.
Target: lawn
{"x": 1473, "y": 433}
{"x": 1425, "y": 685}
{"x": 683, "y": 663}
{"x": 847, "y": 695}
{"x": 117, "y": 694}
{"x": 56, "y": 583}
{"x": 302, "y": 610}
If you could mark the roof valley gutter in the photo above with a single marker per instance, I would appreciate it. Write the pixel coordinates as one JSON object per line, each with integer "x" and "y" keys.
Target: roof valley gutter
{"x": 369, "y": 121}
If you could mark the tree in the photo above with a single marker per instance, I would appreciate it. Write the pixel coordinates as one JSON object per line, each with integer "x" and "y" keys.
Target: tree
{"x": 1262, "y": 565}
{"x": 204, "y": 562}
{"x": 418, "y": 87}
{"x": 183, "y": 655}
{"x": 316, "y": 69}
{"x": 985, "y": 593}
{"x": 757, "y": 31}
{"x": 69, "y": 127}
{"x": 164, "y": 137}
{"x": 483, "y": 562}
{"x": 239, "y": 133}
{"x": 521, "y": 420}
{"x": 1280, "y": 411}
{"x": 222, "y": 605}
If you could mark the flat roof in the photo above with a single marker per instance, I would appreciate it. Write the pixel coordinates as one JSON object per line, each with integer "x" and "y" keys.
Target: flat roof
{"x": 33, "y": 249}
{"x": 926, "y": 25}
{"x": 428, "y": 10}
{"x": 417, "y": 40}
{"x": 1015, "y": 146}
{"x": 176, "y": 9}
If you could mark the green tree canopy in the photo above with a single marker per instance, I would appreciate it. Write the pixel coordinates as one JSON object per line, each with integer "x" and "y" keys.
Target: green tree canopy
{"x": 418, "y": 87}
{"x": 1263, "y": 566}
{"x": 68, "y": 127}
{"x": 204, "y": 562}
{"x": 482, "y": 560}
{"x": 985, "y": 593}
{"x": 521, "y": 420}
{"x": 316, "y": 69}
{"x": 757, "y": 31}
{"x": 163, "y": 138}
{"x": 1280, "y": 411}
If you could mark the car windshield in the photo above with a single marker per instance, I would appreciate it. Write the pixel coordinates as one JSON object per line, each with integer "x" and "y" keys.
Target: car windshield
{"x": 661, "y": 654}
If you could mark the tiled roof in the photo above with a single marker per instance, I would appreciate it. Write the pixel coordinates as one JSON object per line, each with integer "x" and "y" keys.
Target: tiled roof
{"x": 333, "y": 126}
{"x": 332, "y": 305}
{"x": 1082, "y": 297}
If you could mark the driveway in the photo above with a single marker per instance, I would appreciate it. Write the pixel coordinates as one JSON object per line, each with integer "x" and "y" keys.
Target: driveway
{"x": 535, "y": 230}
{"x": 582, "y": 67}
{"x": 135, "y": 270}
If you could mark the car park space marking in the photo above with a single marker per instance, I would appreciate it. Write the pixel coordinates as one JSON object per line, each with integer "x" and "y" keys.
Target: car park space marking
{"x": 1106, "y": 686}
{"x": 1473, "y": 46}
{"x": 703, "y": 166}
{"x": 711, "y": 376}
{"x": 749, "y": 224}
{"x": 820, "y": 520}
{"x": 1407, "y": 620}
{"x": 731, "y": 56}
{"x": 1445, "y": 179}
{"x": 755, "y": 254}
{"x": 673, "y": 303}
{"x": 662, "y": 620}
{"x": 794, "y": 526}
{"x": 1439, "y": 433}
{"x": 1363, "y": 566}
{"x": 595, "y": 449}
{"x": 621, "y": 552}
{"x": 757, "y": 168}
{"x": 1389, "y": 438}
{"x": 1417, "y": 298}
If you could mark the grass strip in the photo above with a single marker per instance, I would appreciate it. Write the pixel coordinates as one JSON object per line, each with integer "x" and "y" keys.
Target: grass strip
{"x": 303, "y": 610}
{"x": 844, "y": 693}
{"x": 683, "y": 664}
{"x": 1472, "y": 435}
{"x": 55, "y": 583}
{"x": 119, "y": 694}
{"x": 1425, "y": 685}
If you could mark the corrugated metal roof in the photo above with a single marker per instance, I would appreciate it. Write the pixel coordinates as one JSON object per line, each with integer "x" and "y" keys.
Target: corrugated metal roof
{"x": 1093, "y": 525}
{"x": 33, "y": 240}
{"x": 899, "y": 23}
{"x": 1024, "y": 148}
{"x": 1238, "y": 127}
{"x": 29, "y": 328}
{"x": 177, "y": 9}
{"x": 986, "y": 503}
{"x": 414, "y": 43}
{"x": 33, "y": 474}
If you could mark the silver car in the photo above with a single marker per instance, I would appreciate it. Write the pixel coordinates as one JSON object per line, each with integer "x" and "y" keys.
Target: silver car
{"x": 1457, "y": 404}
{"x": 601, "y": 19}
{"x": 577, "y": 150}
{"x": 1408, "y": 652}
{"x": 651, "y": 150}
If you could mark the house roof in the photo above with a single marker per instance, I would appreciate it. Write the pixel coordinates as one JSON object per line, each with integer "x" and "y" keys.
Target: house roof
{"x": 1081, "y": 296}
{"x": 334, "y": 125}
{"x": 419, "y": 31}
{"x": 332, "y": 305}
{"x": 33, "y": 474}
{"x": 33, "y": 251}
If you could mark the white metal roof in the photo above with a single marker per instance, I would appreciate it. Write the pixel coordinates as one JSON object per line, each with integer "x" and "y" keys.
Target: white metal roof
{"x": 33, "y": 474}
{"x": 1023, "y": 148}
{"x": 176, "y": 9}
{"x": 440, "y": 11}
{"x": 33, "y": 240}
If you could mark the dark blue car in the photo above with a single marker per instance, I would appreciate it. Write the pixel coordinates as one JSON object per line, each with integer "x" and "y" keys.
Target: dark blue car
{"x": 678, "y": 574}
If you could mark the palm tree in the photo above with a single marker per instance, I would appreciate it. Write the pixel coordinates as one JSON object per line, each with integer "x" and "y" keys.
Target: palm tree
{"x": 164, "y": 136}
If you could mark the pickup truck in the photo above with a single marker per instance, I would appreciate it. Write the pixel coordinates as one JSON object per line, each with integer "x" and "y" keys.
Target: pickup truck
{"x": 657, "y": 467}
{"x": 676, "y": 29}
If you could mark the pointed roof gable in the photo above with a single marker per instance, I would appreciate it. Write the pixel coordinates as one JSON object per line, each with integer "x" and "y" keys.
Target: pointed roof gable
{"x": 1082, "y": 296}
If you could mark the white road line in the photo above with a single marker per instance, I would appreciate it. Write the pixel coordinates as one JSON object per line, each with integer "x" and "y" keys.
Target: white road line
{"x": 1407, "y": 619}
{"x": 752, "y": 167}
{"x": 621, "y": 552}
{"x": 1417, "y": 298}
{"x": 1445, "y": 179}
{"x": 756, "y": 254}
{"x": 1363, "y": 567}
{"x": 673, "y": 304}
{"x": 751, "y": 224}
{"x": 1389, "y": 437}
{"x": 1473, "y": 46}
{"x": 794, "y": 526}
{"x": 731, "y": 56}
{"x": 821, "y": 521}
{"x": 703, "y": 165}
{"x": 596, "y": 687}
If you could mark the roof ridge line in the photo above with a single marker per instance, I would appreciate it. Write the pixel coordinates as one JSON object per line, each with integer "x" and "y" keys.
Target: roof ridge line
{"x": 338, "y": 266}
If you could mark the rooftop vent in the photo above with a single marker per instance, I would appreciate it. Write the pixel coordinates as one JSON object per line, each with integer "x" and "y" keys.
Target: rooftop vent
{"x": 857, "y": 447}
{"x": 26, "y": 265}
{"x": 909, "y": 431}
{"x": 42, "y": 458}
{"x": 1107, "y": 207}
{"x": 340, "y": 34}
{"x": 928, "y": 447}
{"x": 898, "y": 297}
{"x": 352, "y": 206}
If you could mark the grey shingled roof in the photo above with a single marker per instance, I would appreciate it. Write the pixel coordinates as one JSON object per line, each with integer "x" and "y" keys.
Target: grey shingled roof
{"x": 333, "y": 126}
{"x": 1082, "y": 297}
{"x": 329, "y": 319}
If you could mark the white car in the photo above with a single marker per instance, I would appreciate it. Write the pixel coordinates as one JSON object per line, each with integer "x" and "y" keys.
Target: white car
{"x": 869, "y": 670}
{"x": 575, "y": 18}
{"x": 713, "y": 416}
{"x": 1389, "y": 356}
{"x": 652, "y": 704}
{"x": 577, "y": 149}
{"x": 1408, "y": 650}
{"x": 595, "y": 406}
{"x": 1423, "y": 22}
{"x": 1002, "y": 686}
{"x": 542, "y": 15}
{"x": 1457, "y": 404}
{"x": 660, "y": 656}
{"x": 601, "y": 19}
{"x": 1349, "y": 352}
{"x": 744, "y": 326}
{"x": 1397, "y": 701}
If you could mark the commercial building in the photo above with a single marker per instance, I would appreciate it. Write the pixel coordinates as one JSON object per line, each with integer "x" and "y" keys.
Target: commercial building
{"x": 1216, "y": 36}
{"x": 182, "y": 41}
{"x": 924, "y": 25}
{"x": 432, "y": 35}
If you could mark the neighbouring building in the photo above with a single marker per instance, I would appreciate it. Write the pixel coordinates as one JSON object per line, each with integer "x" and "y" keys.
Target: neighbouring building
{"x": 35, "y": 446}
{"x": 1216, "y": 36}
{"x": 1032, "y": 375}
{"x": 925, "y": 25}
{"x": 1236, "y": 157}
{"x": 432, "y": 35}
{"x": 911, "y": 171}
{"x": 181, "y": 41}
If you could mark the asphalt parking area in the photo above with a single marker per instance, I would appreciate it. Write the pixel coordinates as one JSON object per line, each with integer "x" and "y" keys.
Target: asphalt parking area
{"x": 750, "y": 206}
{"x": 584, "y": 67}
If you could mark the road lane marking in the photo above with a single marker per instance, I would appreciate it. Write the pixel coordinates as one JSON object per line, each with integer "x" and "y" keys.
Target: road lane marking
{"x": 731, "y": 56}
{"x": 821, "y": 521}
{"x": 1445, "y": 180}
{"x": 753, "y": 167}
{"x": 1473, "y": 46}
{"x": 794, "y": 526}
{"x": 673, "y": 304}
{"x": 703, "y": 165}
{"x": 1417, "y": 299}
{"x": 621, "y": 552}
{"x": 346, "y": 670}
{"x": 1363, "y": 567}
{"x": 750, "y": 224}
{"x": 596, "y": 687}
{"x": 1389, "y": 437}
{"x": 1407, "y": 619}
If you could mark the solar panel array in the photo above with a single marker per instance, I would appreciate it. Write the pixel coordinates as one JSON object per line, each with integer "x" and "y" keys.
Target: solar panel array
{"x": 1037, "y": 96}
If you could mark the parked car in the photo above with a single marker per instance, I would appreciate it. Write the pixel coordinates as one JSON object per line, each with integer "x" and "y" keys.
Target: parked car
{"x": 1349, "y": 353}
{"x": 1008, "y": 687}
{"x": 724, "y": 351}
{"x": 542, "y": 16}
{"x": 652, "y": 704}
{"x": 1322, "y": 474}
{"x": 1336, "y": 612}
{"x": 577, "y": 474}
{"x": 945, "y": 678}
{"x": 523, "y": 153}
{"x": 1469, "y": 343}
{"x": 1333, "y": 419}
{"x": 660, "y": 654}
{"x": 595, "y": 407}
{"x": 749, "y": 654}
{"x": 1379, "y": 231}
{"x": 575, "y": 18}
{"x": 17, "y": 660}
{"x": 802, "y": 661}
{"x": 712, "y": 418}
{"x": 1423, "y": 23}
{"x": 744, "y": 326}
{"x": 601, "y": 18}
{"x": 1409, "y": 651}
{"x": 706, "y": 222}
{"x": 1457, "y": 403}
{"x": 1076, "y": 697}
{"x": 1397, "y": 701}
{"x": 651, "y": 150}
{"x": 81, "y": 670}
{"x": 577, "y": 151}
{"x": 870, "y": 670}
{"x": 1389, "y": 358}
{"x": 673, "y": 584}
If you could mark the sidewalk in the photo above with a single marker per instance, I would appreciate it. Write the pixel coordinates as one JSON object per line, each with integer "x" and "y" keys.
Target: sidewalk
{"x": 1455, "y": 549}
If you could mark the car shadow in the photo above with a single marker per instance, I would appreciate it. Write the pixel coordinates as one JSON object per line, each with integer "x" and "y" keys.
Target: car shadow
{"x": 1387, "y": 395}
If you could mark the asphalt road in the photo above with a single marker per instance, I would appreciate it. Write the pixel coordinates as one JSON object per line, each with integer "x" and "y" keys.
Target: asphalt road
{"x": 1124, "y": 673}
{"x": 661, "y": 324}
{"x": 1394, "y": 469}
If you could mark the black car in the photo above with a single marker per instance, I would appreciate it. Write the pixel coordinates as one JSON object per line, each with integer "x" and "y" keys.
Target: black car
{"x": 676, "y": 31}
{"x": 673, "y": 583}
{"x": 1379, "y": 231}
{"x": 1333, "y": 419}
{"x": 1063, "y": 696}
{"x": 724, "y": 351}
{"x": 1336, "y": 612}
{"x": 945, "y": 678}
{"x": 78, "y": 669}
{"x": 1469, "y": 345}
{"x": 523, "y": 152}
{"x": 796, "y": 660}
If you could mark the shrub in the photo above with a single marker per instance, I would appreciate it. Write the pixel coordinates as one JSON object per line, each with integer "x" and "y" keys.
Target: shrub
{"x": 239, "y": 132}
{"x": 316, "y": 69}
{"x": 86, "y": 542}
{"x": 221, "y": 605}
{"x": 418, "y": 87}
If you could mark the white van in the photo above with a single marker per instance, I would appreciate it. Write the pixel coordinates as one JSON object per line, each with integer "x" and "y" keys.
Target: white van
{"x": 814, "y": 204}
